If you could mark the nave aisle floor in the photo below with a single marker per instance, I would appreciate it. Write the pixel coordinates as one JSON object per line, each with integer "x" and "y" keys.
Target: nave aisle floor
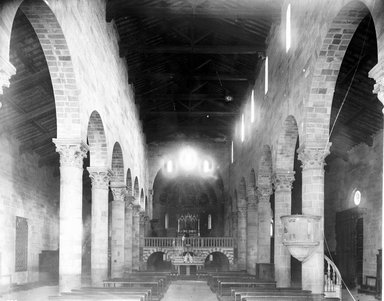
{"x": 184, "y": 290}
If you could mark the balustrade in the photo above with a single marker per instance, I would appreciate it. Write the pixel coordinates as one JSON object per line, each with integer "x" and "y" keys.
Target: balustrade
{"x": 332, "y": 280}
{"x": 194, "y": 242}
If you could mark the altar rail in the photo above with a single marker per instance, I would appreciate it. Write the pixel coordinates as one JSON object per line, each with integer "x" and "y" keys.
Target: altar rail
{"x": 195, "y": 242}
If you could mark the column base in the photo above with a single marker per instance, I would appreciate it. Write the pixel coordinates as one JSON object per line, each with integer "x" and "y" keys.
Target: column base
{"x": 98, "y": 276}
{"x": 69, "y": 282}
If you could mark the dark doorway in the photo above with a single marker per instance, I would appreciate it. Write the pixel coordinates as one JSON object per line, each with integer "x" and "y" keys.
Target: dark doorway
{"x": 349, "y": 245}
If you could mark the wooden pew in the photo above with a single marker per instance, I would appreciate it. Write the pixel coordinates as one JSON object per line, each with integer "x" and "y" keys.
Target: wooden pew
{"x": 278, "y": 297}
{"x": 146, "y": 292}
{"x": 156, "y": 286}
{"x": 215, "y": 280}
{"x": 225, "y": 287}
{"x": 84, "y": 297}
{"x": 238, "y": 294}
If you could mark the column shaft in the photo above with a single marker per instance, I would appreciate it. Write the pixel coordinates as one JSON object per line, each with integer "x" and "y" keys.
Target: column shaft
{"x": 252, "y": 234}
{"x": 242, "y": 238}
{"x": 99, "y": 248}
{"x": 313, "y": 204}
{"x": 142, "y": 221}
{"x": 135, "y": 238}
{"x": 71, "y": 223}
{"x": 117, "y": 239}
{"x": 128, "y": 236}
{"x": 264, "y": 212}
{"x": 282, "y": 260}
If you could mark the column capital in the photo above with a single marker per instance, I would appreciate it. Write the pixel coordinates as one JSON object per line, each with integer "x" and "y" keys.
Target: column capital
{"x": 129, "y": 205}
{"x": 242, "y": 212}
{"x": 313, "y": 158}
{"x": 72, "y": 152}
{"x": 119, "y": 191}
{"x": 377, "y": 73}
{"x": 7, "y": 70}
{"x": 283, "y": 179}
{"x": 143, "y": 217}
{"x": 100, "y": 176}
{"x": 264, "y": 194}
{"x": 136, "y": 210}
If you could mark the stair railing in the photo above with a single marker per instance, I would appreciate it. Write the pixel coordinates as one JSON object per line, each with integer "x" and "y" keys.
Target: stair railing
{"x": 332, "y": 280}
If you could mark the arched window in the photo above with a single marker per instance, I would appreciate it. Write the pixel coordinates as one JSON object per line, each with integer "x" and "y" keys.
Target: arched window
{"x": 166, "y": 221}
{"x": 209, "y": 222}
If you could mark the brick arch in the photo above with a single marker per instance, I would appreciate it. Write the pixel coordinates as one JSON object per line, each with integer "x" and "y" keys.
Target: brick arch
{"x": 148, "y": 252}
{"x": 227, "y": 253}
{"x": 242, "y": 193}
{"x": 117, "y": 164}
{"x": 317, "y": 108}
{"x": 264, "y": 176}
{"x": 60, "y": 66}
{"x": 136, "y": 189}
{"x": 97, "y": 141}
{"x": 286, "y": 144}
{"x": 128, "y": 182}
{"x": 142, "y": 197}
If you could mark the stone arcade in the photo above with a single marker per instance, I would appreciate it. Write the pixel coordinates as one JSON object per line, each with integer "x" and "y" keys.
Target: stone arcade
{"x": 199, "y": 139}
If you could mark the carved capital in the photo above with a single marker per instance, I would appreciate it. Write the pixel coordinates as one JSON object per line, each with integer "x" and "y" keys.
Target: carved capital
{"x": 264, "y": 192}
{"x": 313, "y": 158}
{"x": 72, "y": 153}
{"x": 119, "y": 191}
{"x": 377, "y": 73}
{"x": 7, "y": 70}
{"x": 100, "y": 177}
{"x": 129, "y": 205}
{"x": 136, "y": 210}
{"x": 252, "y": 206}
{"x": 143, "y": 218}
{"x": 242, "y": 212}
{"x": 283, "y": 180}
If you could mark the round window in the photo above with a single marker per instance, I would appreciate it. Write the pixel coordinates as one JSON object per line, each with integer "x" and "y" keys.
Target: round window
{"x": 357, "y": 197}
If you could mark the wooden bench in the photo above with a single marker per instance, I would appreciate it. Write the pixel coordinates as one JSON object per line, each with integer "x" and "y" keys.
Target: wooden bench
{"x": 238, "y": 292}
{"x": 282, "y": 297}
{"x": 213, "y": 280}
{"x": 147, "y": 292}
{"x": 156, "y": 286}
{"x": 85, "y": 297}
{"x": 225, "y": 287}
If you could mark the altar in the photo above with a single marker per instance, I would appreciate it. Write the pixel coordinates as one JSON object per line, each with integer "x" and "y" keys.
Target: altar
{"x": 188, "y": 264}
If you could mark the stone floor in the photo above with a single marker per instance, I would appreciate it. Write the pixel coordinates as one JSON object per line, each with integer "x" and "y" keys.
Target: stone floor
{"x": 181, "y": 290}
{"x": 189, "y": 291}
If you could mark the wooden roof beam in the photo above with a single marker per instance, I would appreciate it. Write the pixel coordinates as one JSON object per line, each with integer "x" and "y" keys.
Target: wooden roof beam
{"x": 119, "y": 10}
{"x": 126, "y": 48}
{"x": 194, "y": 113}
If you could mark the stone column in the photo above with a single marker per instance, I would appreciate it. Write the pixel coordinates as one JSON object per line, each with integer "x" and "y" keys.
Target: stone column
{"x": 313, "y": 204}
{"x": 377, "y": 73}
{"x": 100, "y": 177}
{"x": 242, "y": 235}
{"x": 128, "y": 234}
{"x": 142, "y": 220}
{"x": 117, "y": 239}
{"x": 7, "y": 70}
{"x": 72, "y": 154}
{"x": 234, "y": 224}
{"x": 135, "y": 237}
{"x": 264, "y": 218}
{"x": 283, "y": 185}
{"x": 252, "y": 231}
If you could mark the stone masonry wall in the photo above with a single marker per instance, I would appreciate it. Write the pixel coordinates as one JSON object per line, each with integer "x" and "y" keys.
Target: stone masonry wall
{"x": 362, "y": 171}
{"x": 32, "y": 192}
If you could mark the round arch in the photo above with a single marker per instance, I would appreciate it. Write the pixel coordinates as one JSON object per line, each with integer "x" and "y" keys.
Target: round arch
{"x": 97, "y": 140}
{"x": 60, "y": 66}
{"x": 216, "y": 261}
{"x": 117, "y": 164}
{"x": 327, "y": 65}
{"x": 286, "y": 145}
{"x": 136, "y": 189}
{"x": 128, "y": 182}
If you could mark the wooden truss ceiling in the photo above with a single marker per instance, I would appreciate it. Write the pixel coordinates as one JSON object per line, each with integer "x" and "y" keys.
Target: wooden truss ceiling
{"x": 185, "y": 57}
{"x": 28, "y": 111}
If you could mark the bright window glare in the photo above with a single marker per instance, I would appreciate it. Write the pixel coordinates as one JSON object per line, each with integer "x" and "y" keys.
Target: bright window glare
{"x": 188, "y": 158}
{"x": 288, "y": 29}
{"x": 266, "y": 76}
{"x": 232, "y": 152}
{"x": 242, "y": 128}
{"x": 206, "y": 167}
{"x": 169, "y": 166}
{"x": 253, "y": 106}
